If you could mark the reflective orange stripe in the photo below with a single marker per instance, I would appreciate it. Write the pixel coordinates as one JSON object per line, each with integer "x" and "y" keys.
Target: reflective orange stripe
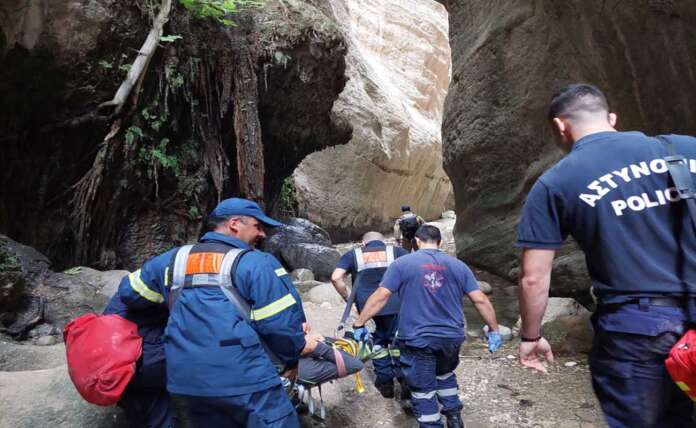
{"x": 374, "y": 256}
{"x": 204, "y": 263}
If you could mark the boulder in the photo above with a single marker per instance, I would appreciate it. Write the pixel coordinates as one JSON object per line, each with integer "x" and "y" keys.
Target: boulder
{"x": 68, "y": 296}
{"x": 571, "y": 334}
{"x": 105, "y": 281}
{"x": 12, "y": 282}
{"x": 324, "y": 292}
{"x": 33, "y": 264}
{"x": 398, "y": 70}
{"x": 508, "y": 60}
{"x": 485, "y": 287}
{"x": 318, "y": 258}
{"x": 560, "y": 307}
{"x": 15, "y": 357}
{"x": 505, "y": 332}
{"x": 295, "y": 231}
{"x": 302, "y": 275}
{"x": 305, "y": 286}
{"x": 60, "y": 405}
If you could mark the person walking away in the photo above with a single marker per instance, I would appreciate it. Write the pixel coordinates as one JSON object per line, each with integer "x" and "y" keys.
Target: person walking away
{"x": 405, "y": 228}
{"x": 219, "y": 365}
{"x": 431, "y": 286}
{"x": 366, "y": 266}
{"x": 612, "y": 193}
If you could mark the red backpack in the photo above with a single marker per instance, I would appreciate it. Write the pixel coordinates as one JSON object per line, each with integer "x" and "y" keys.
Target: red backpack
{"x": 681, "y": 363}
{"x": 101, "y": 351}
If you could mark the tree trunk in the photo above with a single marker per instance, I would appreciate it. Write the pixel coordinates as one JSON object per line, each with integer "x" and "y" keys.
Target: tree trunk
{"x": 247, "y": 126}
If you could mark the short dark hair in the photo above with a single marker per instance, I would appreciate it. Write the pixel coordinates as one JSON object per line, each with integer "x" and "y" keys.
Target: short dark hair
{"x": 429, "y": 233}
{"x": 578, "y": 97}
{"x": 405, "y": 208}
{"x": 212, "y": 222}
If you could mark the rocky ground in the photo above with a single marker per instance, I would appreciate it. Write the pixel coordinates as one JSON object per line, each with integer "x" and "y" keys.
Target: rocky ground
{"x": 35, "y": 389}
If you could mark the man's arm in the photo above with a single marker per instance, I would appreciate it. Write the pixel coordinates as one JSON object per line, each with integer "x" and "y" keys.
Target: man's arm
{"x": 484, "y": 308}
{"x": 534, "y": 283}
{"x": 373, "y": 305}
{"x": 338, "y": 283}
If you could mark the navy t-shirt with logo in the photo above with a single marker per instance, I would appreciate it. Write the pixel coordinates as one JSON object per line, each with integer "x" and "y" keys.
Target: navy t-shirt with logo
{"x": 612, "y": 193}
{"x": 368, "y": 280}
{"x": 431, "y": 286}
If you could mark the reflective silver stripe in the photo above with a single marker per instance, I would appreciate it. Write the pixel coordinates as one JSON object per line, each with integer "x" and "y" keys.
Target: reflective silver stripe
{"x": 433, "y": 417}
{"x": 179, "y": 271}
{"x": 390, "y": 254}
{"x": 445, "y": 376}
{"x": 423, "y": 395}
{"x": 359, "y": 259}
{"x": 204, "y": 278}
{"x": 226, "y": 267}
{"x": 448, "y": 392}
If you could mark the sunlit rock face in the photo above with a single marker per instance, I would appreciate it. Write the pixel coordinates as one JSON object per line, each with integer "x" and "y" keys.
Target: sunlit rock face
{"x": 509, "y": 57}
{"x": 398, "y": 69}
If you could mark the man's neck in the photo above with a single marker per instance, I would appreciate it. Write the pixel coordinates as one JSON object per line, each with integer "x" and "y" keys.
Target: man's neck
{"x": 580, "y": 132}
{"x": 428, "y": 246}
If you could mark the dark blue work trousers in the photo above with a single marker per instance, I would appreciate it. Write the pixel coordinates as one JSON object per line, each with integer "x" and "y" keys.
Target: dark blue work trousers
{"x": 146, "y": 402}
{"x": 429, "y": 374}
{"x": 270, "y": 408}
{"x": 386, "y": 364}
{"x": 627, "y": 362}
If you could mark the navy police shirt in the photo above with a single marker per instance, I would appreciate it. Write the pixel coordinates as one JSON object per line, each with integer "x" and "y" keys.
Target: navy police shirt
{"x": 431, "y": 286}
{"x": 612, "y": 193}
{"x": 368, "y": 280}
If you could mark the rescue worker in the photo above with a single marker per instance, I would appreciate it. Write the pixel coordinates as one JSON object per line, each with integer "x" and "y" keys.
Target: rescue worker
{"x": 431, "y": 286}
{"x": 405, "y": 228}
{"x": 219, "y": 368}
{"x": 612, "y": 193}
{"x": 146, "y": 401}
{"x": 366, "y": 266}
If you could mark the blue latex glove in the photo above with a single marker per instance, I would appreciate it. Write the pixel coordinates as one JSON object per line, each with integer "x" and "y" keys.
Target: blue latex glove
{"x": 361, "y": 334}
{"x": 495, "y": 341}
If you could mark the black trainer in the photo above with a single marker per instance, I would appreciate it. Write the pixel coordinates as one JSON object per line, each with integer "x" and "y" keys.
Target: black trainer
{"x": 454, "y": 420}
{"x": 386, "y": 389}
{"x": 405, "y": 391}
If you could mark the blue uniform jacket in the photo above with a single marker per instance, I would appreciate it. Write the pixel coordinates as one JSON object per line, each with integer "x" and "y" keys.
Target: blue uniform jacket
{"x": 210, "y": 349}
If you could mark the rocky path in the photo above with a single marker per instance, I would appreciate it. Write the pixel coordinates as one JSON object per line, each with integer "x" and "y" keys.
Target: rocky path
{"x": 495, "y": 390}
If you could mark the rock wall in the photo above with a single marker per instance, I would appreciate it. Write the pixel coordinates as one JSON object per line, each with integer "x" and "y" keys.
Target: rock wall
{"x": 174, "y": 156}
{"x": 509, "y": 57}
{"x": 398, "y": 70}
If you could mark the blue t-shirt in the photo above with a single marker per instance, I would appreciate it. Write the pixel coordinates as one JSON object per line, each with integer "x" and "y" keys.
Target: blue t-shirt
{"x": 431, "y": 286}
{"x": 368, "y": 280}
{"x": 613, "y": 194}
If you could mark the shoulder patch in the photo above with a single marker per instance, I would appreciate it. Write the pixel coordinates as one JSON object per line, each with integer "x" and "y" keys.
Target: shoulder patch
{"x": 281, "y": 271}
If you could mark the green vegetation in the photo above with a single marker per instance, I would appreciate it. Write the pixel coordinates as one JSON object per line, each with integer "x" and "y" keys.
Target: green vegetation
{"x": 287, "y": 200}
{"x": 8, "y": 262}
{"x": 220, "y": 10}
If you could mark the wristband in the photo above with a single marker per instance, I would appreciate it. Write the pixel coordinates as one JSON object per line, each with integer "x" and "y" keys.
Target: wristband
{"x": 358, "y": 326}
{"x": 530, "y": 339}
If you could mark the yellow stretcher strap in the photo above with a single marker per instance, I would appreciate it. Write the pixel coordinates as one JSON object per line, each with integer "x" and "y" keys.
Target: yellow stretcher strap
{"x": 351, "y": 347}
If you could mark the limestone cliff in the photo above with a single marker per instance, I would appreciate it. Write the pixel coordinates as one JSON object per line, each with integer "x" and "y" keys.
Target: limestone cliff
{"x": 508, "y": 59}
{"x": 398, "y": 70}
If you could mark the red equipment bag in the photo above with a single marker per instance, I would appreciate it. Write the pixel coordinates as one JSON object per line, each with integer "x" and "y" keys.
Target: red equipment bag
{"x": 101, "y": 351}
{"x": 681, "y": 363}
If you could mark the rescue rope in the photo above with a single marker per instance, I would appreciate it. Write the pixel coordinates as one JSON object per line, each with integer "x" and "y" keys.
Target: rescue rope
{"x": 351, "y": 347}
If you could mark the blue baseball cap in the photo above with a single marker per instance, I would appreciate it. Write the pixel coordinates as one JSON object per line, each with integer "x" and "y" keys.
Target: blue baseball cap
{"x": 239, "y": 206}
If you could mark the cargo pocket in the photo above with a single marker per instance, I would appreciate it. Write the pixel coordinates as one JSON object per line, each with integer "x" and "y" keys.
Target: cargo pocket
{"x": 274, "y": 410}
{"x": 613, "y": 383}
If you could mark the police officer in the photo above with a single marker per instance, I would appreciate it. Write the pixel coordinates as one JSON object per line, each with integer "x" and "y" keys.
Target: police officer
{"x": 367, "y": 265}
{"x": 219, "y": 367}
{"x": 431, "y": 286}
{"x": 612, "y": 193}
{"x": 405, "y": 228}
{"x": 146, "y": 401}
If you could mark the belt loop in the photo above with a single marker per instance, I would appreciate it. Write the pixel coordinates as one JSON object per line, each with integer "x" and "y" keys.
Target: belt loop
{"x": 644, "y": 304}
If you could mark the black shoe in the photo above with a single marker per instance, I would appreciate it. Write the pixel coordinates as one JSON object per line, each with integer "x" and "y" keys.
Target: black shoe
{"x": 386, "y": 389}
{"x": 454, "y": 420}
{"x": 405, "y": 392}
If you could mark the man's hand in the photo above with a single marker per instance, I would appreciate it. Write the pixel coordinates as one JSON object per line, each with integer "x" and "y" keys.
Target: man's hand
{"x": 495, "y": 341}
{"x": 530, "y": 351}
{"x": 306, "y": 328}
{"x": 361, "y": 333}
{"x": 311, "y": 345}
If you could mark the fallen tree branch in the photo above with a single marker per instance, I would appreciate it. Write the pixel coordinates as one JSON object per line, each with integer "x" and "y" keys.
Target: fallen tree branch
{"x": 145, "y": 54}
